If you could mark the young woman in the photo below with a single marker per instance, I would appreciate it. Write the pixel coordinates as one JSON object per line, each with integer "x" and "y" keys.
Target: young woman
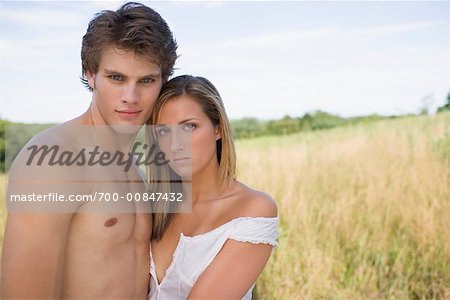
{"x": 219, "y": 249}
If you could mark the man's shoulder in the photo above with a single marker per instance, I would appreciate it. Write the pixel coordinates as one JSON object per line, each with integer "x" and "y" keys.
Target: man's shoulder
{"x": 61, "y": 134}
{"x": 41, "y": 155}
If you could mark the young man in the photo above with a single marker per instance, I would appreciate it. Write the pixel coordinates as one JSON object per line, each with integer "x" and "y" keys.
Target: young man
{"x": 126, "y": 56}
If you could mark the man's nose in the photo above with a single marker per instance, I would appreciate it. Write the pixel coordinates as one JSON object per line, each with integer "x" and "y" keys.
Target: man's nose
{"x": 130, "y": 94}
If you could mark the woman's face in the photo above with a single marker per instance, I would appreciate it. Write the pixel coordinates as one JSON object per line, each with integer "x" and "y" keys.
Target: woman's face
{"x": 187, "y": 136}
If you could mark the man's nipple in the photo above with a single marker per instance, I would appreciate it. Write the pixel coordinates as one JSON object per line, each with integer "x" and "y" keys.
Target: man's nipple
{"x": 111, "y": 222}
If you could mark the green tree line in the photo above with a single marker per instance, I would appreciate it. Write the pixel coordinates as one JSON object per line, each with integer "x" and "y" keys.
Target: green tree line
{"x": 318, "y": 120}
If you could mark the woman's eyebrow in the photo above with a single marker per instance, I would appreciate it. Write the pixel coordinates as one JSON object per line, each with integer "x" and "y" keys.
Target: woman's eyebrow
{"x": 187, "y": 120}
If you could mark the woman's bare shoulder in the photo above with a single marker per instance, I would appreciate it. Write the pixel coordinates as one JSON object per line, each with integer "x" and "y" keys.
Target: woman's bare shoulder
{"x": 254, "y": 203}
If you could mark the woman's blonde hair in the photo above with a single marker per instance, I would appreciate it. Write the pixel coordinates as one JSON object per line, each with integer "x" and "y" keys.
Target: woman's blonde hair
{"x": 206, "y": 95}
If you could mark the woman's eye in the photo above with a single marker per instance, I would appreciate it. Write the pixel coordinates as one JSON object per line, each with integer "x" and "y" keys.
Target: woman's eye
{"x": 189, "y": 126}
{"x": 162, "y": 131}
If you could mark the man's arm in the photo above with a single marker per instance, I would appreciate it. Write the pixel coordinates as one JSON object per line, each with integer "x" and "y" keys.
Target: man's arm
{"x": 35, "y": 235}
{"x": 33, "y": 255}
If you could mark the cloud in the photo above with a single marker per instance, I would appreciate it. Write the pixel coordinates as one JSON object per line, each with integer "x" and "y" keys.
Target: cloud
{"x": 302, "y": 37}
{"x": 396, "y": 28}
{"x": 33, "y": 16}
{"x": 204, "y": 3}
{"x": 345, "y": 70}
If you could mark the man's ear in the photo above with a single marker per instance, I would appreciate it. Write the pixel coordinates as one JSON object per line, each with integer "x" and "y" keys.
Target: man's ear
{"x": 218, "y": 133}
{"x": 91, "y": 79}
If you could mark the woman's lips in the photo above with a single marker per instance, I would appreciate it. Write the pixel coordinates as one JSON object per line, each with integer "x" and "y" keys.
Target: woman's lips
{"x": 180, "y": 160}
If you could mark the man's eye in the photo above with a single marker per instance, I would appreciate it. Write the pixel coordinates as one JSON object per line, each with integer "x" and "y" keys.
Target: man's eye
{"x": 116, "y": 77}
{"x": 189, "y": 126}
{"x": 146, "y": 80}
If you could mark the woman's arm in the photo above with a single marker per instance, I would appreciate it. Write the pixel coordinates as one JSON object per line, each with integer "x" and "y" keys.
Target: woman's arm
{"x": 232, "y": 272}
{"x": 243, "y": 256}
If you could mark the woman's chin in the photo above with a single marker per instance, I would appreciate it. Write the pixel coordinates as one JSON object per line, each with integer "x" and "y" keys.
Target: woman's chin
{"x": 185, "y": 172}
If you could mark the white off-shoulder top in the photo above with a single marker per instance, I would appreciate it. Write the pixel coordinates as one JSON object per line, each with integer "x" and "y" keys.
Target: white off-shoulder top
{"x": 193, "y": 254}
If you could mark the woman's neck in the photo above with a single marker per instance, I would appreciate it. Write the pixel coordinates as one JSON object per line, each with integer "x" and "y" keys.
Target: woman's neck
{"x": 205, "y": 184}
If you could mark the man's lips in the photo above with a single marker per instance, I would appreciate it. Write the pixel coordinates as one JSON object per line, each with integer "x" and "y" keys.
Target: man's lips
{"x": 129, "y": 113}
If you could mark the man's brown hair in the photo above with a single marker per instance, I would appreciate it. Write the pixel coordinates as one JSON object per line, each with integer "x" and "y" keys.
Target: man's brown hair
{"x": 133, "y": 27}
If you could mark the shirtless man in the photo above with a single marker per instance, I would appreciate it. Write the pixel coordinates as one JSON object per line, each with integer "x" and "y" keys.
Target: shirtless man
{"x": 126, "y": 56}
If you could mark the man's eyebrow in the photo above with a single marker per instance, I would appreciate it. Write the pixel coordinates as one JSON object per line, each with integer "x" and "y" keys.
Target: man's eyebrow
{"x": 156, "y": 74}
{"x": 113, "y": 72}
{"x": 152, "y": 75}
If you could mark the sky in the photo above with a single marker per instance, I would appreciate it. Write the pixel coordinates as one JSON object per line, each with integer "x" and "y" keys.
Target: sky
{"x": 267, "y": 59}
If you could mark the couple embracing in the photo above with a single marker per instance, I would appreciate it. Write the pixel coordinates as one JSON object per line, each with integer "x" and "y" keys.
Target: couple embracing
{"x": 215, "y": 251}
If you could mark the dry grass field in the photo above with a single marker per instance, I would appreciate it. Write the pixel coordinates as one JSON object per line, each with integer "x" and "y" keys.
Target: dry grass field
{"x": 2, "y": 208}
{"x": 364, "y": 210}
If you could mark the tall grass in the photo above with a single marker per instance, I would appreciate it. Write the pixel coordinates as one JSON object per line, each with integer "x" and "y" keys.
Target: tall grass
{"x": 2, "y": 213}
{"x": 364, "y": 211}
{"x": 2, "y": 208}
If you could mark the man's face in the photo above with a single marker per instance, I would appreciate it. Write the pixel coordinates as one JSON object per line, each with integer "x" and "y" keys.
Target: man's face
{"x": 125, "y": 88}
